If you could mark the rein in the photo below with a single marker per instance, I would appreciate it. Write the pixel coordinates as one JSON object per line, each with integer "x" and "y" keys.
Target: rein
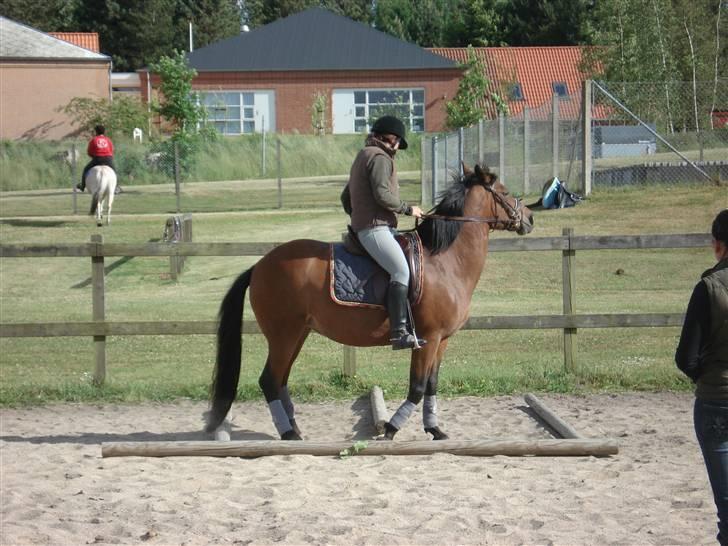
{"x": 492, "y": 222}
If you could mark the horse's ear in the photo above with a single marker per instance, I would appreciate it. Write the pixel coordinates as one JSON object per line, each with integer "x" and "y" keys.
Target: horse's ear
{"x": 482, "y": 174}
{"x": 467, "y": 171}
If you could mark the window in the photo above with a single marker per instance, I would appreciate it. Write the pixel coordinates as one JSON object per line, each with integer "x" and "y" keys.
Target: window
{"x": 407, "y": 104}
{"x": 560, "y": 89}
{"x": 232, "y": 113}
{"x": 516, "y": 92}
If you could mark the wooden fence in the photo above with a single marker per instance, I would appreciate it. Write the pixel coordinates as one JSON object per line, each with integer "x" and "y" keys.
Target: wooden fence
{"x": 568, "y": 244}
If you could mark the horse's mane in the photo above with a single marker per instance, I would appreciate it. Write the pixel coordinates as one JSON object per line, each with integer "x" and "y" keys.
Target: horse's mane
{"x": 437, "y": 235}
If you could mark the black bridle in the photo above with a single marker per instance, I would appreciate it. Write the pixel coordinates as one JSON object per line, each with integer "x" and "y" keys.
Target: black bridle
{"x": 515, "y": 214}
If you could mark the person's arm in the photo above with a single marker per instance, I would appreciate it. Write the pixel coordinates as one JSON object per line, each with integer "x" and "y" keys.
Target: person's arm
{"x": 694, "y": 330}
{"x": 346, "y": 199}
{"x": 380, "y": 172}
{"x": 111, "y": 147}
{"x": 90, "y": 147}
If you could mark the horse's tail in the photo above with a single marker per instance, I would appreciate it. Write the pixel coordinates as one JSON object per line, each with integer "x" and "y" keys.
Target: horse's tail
{"x": 229, "y": 352}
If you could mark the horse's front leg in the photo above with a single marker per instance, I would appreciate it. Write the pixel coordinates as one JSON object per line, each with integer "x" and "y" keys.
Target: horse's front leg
{"x": 429, "y": 407}
{"x": 420, "y": 366}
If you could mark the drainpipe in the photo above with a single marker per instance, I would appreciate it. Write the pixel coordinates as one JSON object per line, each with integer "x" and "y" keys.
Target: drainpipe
{"x": 111, "y": 87}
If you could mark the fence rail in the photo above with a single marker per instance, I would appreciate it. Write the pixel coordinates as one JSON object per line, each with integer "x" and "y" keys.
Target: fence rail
{"x": 569, "y": 322}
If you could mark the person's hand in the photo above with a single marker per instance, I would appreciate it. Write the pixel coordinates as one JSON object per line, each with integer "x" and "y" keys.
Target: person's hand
{"x": 416, "y": 211}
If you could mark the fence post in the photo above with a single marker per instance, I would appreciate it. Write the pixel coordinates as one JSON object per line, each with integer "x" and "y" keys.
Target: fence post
{"x": 177, "y": 174}
{"x": 568, "y": 277}
{"x": 461, "y": 151}
{"x": 263, "y": 166}
{"x": 98, "y": 306}
{"x": 423, "y": 170}
{"x": 586, "y": 160}
{"x": 349, "y": 361}
{"x": 433, "y": 188}
{"x": 501, "y": 146}
{"x": 481, "y": 142}
{"x": 526, "y": 149}
{"x": 74, "y": 177}
{"x": 280, "y": 177}
{"x": 554, "y": 135}
{"x": 445, "y": 159}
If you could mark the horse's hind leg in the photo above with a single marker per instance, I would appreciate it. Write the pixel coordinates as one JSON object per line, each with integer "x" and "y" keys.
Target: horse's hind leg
{"x": 282, "y": 352}
{"x": 109, "y": 202}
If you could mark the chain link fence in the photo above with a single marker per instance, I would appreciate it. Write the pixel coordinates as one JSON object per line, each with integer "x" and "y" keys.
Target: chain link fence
{"x": 659, "y": 132}
{"x": 639, "y": 133}
{"x": 525, "y": 150}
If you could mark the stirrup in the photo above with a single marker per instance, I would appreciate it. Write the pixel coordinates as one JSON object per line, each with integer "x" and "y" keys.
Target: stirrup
{"x": 407, "y": 341}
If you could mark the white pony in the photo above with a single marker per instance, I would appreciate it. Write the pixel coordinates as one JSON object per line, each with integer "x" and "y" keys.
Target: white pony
{"x": 101, "y": 183}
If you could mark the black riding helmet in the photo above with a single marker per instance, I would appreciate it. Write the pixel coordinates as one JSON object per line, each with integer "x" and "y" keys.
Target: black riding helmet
{"x": 390, "y": 125}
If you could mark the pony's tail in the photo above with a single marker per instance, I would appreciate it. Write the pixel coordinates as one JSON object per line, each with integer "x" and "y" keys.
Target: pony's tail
{"x": 229, "y": 352}
{"x": 94, "y": 204}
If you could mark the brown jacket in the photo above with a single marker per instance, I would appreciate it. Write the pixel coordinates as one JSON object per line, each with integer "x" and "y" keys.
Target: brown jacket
{"x": 371, "y": 196}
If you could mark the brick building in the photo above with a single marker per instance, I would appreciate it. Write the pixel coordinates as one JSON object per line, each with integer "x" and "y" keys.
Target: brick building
{"x": 39, "y": 74}
{"x": 268, "y": 78}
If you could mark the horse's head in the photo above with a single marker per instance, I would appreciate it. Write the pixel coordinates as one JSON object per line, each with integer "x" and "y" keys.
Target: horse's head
{"x": 509, "y": 212}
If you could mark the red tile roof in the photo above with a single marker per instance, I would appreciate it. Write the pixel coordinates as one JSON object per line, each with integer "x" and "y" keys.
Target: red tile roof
{"x": 87, "y": 40}
{"x": 536, "y": 69}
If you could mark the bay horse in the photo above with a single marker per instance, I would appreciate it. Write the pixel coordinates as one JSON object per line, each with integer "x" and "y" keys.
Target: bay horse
{"x": 289, "y": 294}
{"x": 101, "y": 183}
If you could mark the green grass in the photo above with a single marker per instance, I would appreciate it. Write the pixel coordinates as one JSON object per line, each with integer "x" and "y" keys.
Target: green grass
{"x": 35, "y": 165}
{"x": 41, "y": 370}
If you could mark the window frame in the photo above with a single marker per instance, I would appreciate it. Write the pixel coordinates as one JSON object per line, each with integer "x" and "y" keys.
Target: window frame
{"x": 243, "y": 106}
{"x": 555, "y": 85}
{"x": 362, "y": 122}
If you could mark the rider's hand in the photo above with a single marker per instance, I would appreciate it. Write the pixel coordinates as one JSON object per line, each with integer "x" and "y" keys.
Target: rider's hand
{"x": 416, "y": 211}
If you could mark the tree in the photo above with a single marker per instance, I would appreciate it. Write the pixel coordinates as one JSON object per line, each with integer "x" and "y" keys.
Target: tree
{"x": 120, "y": 116}
{"x": 469, "y": 104}
{"x": 262, "y": 12}
{"x": 134, "y": 32}
{"x": 48, "y": 16}
{"x": 212, "y": 21}
{"x": 546, "y": 22}
{"x": 179, "y": 105}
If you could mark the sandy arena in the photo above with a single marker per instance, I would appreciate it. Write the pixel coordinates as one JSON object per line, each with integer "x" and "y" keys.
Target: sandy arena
{"x": 56, "y": 488}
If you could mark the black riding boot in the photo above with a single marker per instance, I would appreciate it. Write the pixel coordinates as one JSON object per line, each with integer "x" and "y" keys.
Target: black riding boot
{"x": 397, "y": 308}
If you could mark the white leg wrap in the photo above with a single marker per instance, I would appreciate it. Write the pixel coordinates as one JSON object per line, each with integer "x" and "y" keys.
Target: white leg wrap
{"x": 280, "y": 417}
{"x": 402, "y": 414}
{"x": 429, "y": 411}
{"x": 287, "y": 403}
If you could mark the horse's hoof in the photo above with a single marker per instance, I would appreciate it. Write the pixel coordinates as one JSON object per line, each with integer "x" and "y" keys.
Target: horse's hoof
{"x": 437, "y": 434}
{"x": 291, "y": 435}
{"x": 389, "y": 431}
{"x": 295, "y": 426}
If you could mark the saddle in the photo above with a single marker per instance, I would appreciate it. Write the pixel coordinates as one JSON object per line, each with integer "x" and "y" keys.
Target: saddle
{"x": 357, "y": 280}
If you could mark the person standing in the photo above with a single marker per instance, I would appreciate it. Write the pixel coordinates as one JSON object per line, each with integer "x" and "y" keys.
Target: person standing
{"x": 702, "y": 355}
{"x": 371, "y": 198}
{"x": 101, "y": 150}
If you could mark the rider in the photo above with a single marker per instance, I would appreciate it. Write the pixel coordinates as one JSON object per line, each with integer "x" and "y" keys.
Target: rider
{"x": 371, "y": 198}
{"x": 101, "y": 151}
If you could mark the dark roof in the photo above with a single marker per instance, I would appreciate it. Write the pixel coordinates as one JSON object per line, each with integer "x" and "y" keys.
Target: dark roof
{"x": 21, "y": 42}
{"x": 314, "y": 39}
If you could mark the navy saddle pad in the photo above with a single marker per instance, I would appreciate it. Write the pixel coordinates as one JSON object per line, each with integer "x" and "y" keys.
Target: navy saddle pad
{"x": 358, "y": 280}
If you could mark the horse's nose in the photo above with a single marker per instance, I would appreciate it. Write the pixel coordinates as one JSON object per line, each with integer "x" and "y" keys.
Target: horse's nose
{"x": 526, "y": 224}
